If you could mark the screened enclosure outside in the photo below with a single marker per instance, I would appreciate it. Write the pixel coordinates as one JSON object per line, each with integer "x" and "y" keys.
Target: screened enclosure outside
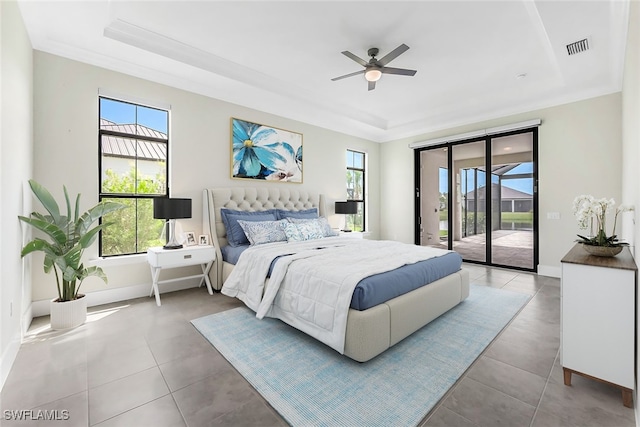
{"x": 482, "y": 207}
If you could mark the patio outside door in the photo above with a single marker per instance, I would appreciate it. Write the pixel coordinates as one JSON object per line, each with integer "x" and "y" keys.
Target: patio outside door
{"x": 478, "y": 197}
{"x": 512, "y": 177}
{"x": 469, "y": 163}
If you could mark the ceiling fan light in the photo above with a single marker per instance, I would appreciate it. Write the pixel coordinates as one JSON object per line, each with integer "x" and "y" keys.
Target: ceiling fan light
{"x": 373, "y": 75}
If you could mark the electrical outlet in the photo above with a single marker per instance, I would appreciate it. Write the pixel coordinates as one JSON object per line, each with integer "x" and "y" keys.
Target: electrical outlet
{"x": 11, "y": 309}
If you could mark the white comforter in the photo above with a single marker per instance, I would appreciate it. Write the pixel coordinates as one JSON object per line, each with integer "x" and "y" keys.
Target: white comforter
{"x": 312, "y": 284}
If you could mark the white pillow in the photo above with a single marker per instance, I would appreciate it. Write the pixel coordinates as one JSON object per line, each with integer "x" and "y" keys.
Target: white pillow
{"x": 322, "y": 222}
{"x": 302, "y": 231}
{"x": 260, "y": 232}
{"x": 292, "y": 232}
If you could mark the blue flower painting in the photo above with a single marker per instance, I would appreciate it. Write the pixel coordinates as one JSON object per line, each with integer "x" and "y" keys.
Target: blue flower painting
{"x": 263, "y": 152}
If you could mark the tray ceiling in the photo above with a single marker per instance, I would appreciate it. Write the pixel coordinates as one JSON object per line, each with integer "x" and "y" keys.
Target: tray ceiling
{"x": 476, "y": 60}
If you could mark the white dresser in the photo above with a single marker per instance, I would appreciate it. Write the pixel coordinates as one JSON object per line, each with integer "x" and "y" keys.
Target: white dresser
{"x": 598, "y": 318}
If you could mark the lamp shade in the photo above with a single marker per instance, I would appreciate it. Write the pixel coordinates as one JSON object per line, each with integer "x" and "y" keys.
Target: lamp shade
{"x": 167, "y": 208}
{"x": 348, "y": 207}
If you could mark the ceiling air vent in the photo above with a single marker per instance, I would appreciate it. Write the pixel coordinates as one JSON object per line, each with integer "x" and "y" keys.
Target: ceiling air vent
{"x": 577, "y": 47}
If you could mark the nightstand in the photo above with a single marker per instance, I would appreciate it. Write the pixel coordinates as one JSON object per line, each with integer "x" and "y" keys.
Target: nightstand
{"x": 159, "y": 258}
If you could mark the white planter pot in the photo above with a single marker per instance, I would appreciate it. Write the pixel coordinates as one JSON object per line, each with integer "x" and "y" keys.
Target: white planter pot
{"x": 68, "y": 314}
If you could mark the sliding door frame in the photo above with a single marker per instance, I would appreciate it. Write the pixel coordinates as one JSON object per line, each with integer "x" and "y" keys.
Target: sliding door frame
{"x": 488, "y": 190}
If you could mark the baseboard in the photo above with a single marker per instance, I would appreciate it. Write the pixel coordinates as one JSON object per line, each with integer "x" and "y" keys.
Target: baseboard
{"x": 41, "y": 307}
{"x": 8, "y": 357}
{"x": 27, "y": 317}
{"x": 549, "y": 270}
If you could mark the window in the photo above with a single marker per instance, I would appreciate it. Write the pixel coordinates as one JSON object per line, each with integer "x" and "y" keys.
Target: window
{"x": 356, "y": 189}
{"x": 133, "y": 147}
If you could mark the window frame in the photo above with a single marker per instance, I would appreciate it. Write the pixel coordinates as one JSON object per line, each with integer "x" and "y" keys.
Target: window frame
{"x": 362, "y": 201}
{"x": 104, "y": 195}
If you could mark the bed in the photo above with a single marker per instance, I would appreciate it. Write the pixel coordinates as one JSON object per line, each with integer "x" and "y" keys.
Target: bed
{"x": 368, "y": 331}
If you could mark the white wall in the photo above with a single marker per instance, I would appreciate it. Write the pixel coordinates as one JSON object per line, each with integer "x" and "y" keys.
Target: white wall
{"x": 66, "y": 149}
{"x": 631, "y": 143}
{"x": 579, "y": 152}
{"x": 16, "y": 151}
{"x": 630, "y": 122}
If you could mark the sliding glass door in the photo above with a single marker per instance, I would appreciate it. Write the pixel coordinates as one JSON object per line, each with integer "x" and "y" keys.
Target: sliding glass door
{"x": 478, "y": 197}
{"x": 512, "y": 166}
{"x": 469, "y": 165}
{"x": 434, "y": 211}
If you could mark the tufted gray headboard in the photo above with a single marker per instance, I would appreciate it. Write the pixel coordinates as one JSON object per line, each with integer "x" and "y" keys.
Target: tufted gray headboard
{"x": 248, "y": 199}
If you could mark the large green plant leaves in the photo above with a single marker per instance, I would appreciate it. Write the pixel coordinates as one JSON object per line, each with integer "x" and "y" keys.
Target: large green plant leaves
{"x": 95, "y": 213}
{"x": 69, "y": 236}
{"x": 46, "y": 199}
{"x": 91, "y": 235}
{"x": 94, "y": 271}
{"x": 52, "y": 230}
{"x": 38, "y": 244}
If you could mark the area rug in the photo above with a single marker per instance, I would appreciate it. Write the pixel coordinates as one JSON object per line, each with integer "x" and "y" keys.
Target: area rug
{"x": 310, "y": 384}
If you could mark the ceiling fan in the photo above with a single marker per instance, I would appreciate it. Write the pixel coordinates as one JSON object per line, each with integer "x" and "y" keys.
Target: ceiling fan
{"x": 375, "y": 68}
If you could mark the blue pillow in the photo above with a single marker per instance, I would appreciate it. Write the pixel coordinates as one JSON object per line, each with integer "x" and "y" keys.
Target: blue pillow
{"x": 235, "y": 233}
{"x": 303, "y": 214}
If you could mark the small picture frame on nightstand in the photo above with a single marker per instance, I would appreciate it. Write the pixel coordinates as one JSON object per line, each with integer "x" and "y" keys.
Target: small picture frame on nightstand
{"x": 203, "y": 239}
{"x": 190, "y": 238}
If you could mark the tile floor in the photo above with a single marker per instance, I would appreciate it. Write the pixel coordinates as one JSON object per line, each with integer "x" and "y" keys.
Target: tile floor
{"x": 136, "y": 364}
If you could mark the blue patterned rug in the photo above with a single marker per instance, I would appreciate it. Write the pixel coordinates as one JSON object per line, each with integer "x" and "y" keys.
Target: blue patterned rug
{"x": 310, "y": 384}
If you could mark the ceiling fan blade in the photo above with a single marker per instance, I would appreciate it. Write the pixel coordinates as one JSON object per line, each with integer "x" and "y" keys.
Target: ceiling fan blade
{"x": 393, "y": 54}
{"x": 348, "y": 75}
{"x": 372, "y": 85}
{"x": 400, "y": 71}
{"x": 355, "y": 58}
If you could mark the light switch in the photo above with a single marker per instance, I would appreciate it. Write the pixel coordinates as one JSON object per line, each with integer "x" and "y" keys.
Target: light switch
{"x": 553, "y": 215}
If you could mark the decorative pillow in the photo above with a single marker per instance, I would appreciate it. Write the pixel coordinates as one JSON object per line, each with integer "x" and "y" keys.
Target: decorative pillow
{"x": 292, "y": 232}
{"x": 306, "y": 213}
{"x": 259, "y": 232}
{"x": 308, "y": 230}
{"x": 327, "y": 231}
{"x": 235, "y": 233}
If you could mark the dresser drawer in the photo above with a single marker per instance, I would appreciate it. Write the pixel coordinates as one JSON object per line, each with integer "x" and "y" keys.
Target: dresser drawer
{"x": 157, "y": 257}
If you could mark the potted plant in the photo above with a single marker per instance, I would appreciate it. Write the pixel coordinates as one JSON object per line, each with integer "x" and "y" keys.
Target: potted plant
{"x": 586, "y": 208}
{"x": 66, "y": 238}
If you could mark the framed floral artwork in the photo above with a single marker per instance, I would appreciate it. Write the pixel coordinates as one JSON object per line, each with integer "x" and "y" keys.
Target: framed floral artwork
{"x": 265, "y": 153}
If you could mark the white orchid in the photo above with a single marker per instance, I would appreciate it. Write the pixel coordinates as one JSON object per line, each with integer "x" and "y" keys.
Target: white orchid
{"x": 586, "y": 208}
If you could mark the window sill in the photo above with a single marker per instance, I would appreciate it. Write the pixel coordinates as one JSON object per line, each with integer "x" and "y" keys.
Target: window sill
{"x": 118, "y": 260}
